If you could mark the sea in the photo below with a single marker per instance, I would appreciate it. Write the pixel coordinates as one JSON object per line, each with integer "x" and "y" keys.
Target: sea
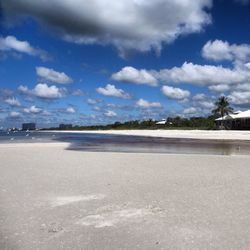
{"x": 132, "y": 144}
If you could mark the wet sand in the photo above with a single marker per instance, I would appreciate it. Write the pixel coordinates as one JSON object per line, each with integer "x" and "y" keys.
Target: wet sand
{"x": 52, "y": 198}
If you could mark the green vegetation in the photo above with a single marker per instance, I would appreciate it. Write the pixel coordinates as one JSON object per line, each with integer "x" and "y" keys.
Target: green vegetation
{"x": 172, "y": 123}
{"x": 222, "y": 108}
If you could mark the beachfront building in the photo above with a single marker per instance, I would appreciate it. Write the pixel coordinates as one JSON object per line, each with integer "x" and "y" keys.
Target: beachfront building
{"x": 29, "y": 126}
{"x": 236, "y": 121}
{"x": 161, "y": 122}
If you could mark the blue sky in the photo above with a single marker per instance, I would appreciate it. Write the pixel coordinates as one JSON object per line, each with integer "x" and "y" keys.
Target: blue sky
{"x": 103, "y": 61}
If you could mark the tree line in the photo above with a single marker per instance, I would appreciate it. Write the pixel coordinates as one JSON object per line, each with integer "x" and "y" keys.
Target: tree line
{"x": 222, "y": 108}
{"x": 171, "y": 123}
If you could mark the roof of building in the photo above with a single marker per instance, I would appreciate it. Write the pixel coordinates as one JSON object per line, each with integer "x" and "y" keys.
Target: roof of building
{"x": 226, "y": 117}
{"x": 162, "y": 122}
{"x": 245, "y": 114}
{"x": 236, "y": 115}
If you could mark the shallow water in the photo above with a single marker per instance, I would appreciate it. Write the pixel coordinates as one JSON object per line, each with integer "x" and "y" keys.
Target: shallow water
{"x": 132, "y": 144}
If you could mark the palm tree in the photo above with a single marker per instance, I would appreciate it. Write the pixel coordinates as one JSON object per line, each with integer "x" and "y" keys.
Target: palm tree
{"x": 222, "y": 107}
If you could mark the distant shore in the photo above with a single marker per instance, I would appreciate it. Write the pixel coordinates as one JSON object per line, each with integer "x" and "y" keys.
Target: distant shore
{"x": 185, "y": 134}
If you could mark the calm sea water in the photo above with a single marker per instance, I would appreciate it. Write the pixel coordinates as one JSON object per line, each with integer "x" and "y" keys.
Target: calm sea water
{"x": 135, "y": 144}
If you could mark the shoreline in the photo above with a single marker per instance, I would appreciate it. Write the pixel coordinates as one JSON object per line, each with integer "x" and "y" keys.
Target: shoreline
{"x": 223, "y": 135}
{"x": 67, "y": 146}
{"x": 137, "y": 141}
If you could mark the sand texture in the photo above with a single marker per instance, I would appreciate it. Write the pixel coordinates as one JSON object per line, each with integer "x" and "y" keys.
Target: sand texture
{"x": 53, "y": 198}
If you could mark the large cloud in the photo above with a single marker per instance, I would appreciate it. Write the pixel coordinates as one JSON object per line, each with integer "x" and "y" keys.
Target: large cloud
{"x": 221, "y": 50}
{"x": 11, "y": 43}
{"x": 203, "y": 75}
{"x": 128, "y": 24}
{"x": 53, "y": 76}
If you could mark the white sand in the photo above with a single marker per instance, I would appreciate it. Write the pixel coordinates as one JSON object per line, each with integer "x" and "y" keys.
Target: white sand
{"x": 52, "y": 198}
{"x": 191, "y": 134}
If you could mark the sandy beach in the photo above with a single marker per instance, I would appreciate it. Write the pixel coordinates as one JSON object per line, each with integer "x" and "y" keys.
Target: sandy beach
{"x": 54, "y": 198}
{"x": 189, "y": 134}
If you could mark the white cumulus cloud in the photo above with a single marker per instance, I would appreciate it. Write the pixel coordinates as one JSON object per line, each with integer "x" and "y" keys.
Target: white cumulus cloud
{"x": 238, "y": 97}
{"x": 70, "y": 110}
{"x": 221, "y": 50}
{"x": 11, "y": 43}
{"x": 220, "y": 88}
{"x": 32, "y": 110}
{"x": 146, "y": 104}
{"x": 53, "y": 76}
{"x": 14, "y": 114}
{"x": 110, "y": 113}
{"x": 23, "y": 89}
{"x": 12, "y": 101}
{"x": 111, "y": 90}
{"x": 42, "y": 90}
{"x": 78, "y": 92}
{"x": 132, "y": 75}
{"x": 190, "y": 111}
{"x": 203, "y": 75}
{"x": 175, "y": 93}
{"x": 92, "y": 101}
{"x": 203, "y": 101}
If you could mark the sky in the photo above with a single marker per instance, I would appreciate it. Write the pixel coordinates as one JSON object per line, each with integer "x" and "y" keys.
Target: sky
{"x": 102, "y": 61}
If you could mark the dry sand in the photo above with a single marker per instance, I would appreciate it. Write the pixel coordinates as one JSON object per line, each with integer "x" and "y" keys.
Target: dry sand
{"x": 190, "y": 134}
{"x": 52, "y": 198}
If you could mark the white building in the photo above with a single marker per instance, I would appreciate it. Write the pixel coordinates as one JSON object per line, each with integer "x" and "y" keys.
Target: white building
{"x": 236, "y": 120}
{"x": 162, "y": 122}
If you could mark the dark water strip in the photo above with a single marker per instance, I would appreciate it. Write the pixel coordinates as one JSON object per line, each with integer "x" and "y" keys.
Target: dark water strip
{"x": 132, "y": 144}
